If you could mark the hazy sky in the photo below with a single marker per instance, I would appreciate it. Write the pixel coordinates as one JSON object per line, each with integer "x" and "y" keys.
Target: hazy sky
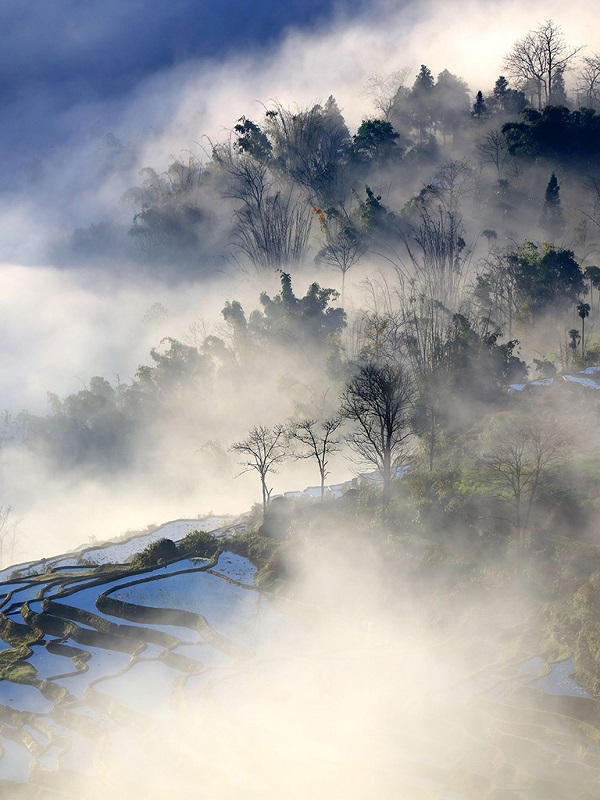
{"x": 58, "y": 55}
{"x": 70, "y": 69}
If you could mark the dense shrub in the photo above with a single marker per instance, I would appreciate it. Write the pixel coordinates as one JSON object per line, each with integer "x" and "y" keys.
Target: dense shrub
{"x": 155, "y": 553}
{"x": 199, "y": 543}
{"x": 277, "y": 519}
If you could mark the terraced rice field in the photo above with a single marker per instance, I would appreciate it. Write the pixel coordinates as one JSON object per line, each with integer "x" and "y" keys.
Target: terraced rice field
{"x": 90, "y": 653}
{"x": 185, "y": 680}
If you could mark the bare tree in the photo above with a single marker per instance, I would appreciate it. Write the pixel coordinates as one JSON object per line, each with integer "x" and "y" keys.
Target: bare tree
{"x": 452, "y": 183}
{"x": 9, "y": 532}
{"x": 432, "y": 233}
{"x": 495, "y": 292}
{"x": 518, "y": 459}
{"x": 592, "y": 273}
{"x": 384, "y": 89}
{"x": 273, "y": 222}
{"x": 344, "y": 244}
{"x": 378, "y": 400}
{"x": 310, "y": 145}
{"x": 588, "y": 83}
{"x": 318, "y": 441}
{"x": 536, "y": 59}
{"x": 439, "y": 265}
{"x": 493, "y": 149}
{"x": 262, "y": 450}
{"x": 425, "y": 340}
{"x": 274, "y": 234}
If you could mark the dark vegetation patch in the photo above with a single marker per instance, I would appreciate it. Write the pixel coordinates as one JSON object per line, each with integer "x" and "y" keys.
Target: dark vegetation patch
{"x": 196, "y": 544}
{"x": 199, "y": 544}
{"x": 160, "y": 552}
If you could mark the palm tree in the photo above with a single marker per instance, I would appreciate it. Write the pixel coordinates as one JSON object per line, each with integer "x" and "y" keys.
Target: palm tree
{"x": 583, "y": 309}
{"x": 574, "y": 337}
{"x": 489, "y": 235}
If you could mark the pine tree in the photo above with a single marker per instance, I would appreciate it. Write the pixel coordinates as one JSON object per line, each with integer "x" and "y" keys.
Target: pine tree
{"x": 498, "y": 99}
{"x": 480, "y": 110}
{"x": 421, "y": 102}
{"x": 558, "y": 93}
{"x": 424, "y": 81}
{"x": 505, "y": 100}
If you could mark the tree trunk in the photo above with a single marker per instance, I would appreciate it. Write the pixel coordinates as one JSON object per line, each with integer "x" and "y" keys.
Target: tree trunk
{"x": 387, "y": 478}
{"x": 265, "y": 494}
{"x": 432, "y": 441}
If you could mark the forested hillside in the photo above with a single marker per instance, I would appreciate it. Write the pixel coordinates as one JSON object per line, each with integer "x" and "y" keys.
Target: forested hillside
{"x": 449, "y": 241}
{"x": 409, "y": 291}
{"x": 404, "y": 314}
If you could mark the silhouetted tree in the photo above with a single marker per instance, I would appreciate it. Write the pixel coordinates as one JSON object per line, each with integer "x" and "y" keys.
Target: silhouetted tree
{"x": 345, "y": 243}
{"x": 170, "y": 221}
{"x": 376, "y": 143}
{"x": 545, "y": 276}
{"x": 252, "y": 140}
{"x": 583, "y": 309}
{"x": 378, "y": 400}
{"x": 574, "y": 339}
{"x": 545, "y": 368}
{"x": 527, "y": 281}
{"x": 312, "y": 146}
{"x": 518, "y": 461}
{"x": 421, "y": 102}
{"x": 552, "y": 217}
{"x": 479, "y": 111}
{"x": 535, "y": 60}
{"x": 559, "y": 91}
{"x": 490, "y": 235}
{"x": 261, "y": 451}
{"x": 177, "y": 368}
{"x": 493, "y": 149}
{"x": 593, "y": 275}
{"x": 272, "y": 220}
{"x": 504, "y": 100}
{"x": 424, "y": 338}
{"x": 437, "y": 249}
{"x": 495, "y": 292}
{"x": 375, "y": 222}
{"x": 384, "y": 91}
{"x": 451, "y": 103}
{"x": 555, "y": 133}
{"x": 453, "y": 182}
{"x": 479, "y": 364}
{"x": 318, "y": 441}
{"x": 589, "y": 82}
{"x": 287, "y": 321}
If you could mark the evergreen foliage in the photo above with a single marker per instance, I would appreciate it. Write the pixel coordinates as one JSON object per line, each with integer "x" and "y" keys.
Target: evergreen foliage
{"x": 479, "y": 111}
{"x": 555, "y": 133}
{"x": 376, "y": 143}
{"x": 546, "y": 277}
{"x": 552, "y": 217}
